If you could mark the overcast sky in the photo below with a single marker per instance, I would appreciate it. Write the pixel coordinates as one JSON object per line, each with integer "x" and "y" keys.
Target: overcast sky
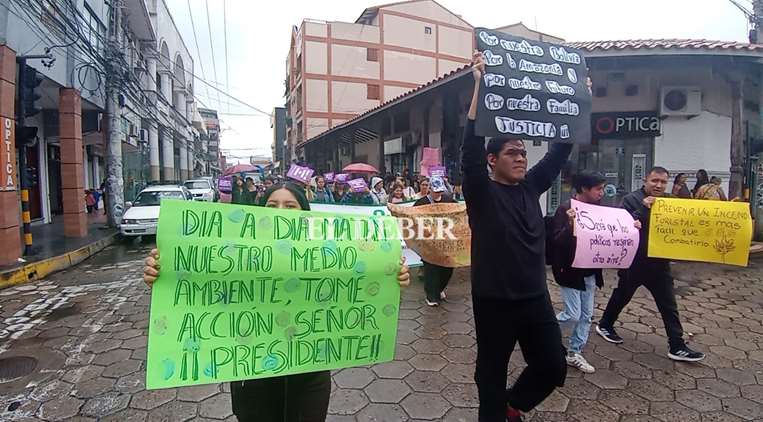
{"x": 259, "y": 35}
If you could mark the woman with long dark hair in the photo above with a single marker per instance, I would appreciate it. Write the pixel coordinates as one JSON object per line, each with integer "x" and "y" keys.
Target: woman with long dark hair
{"x": 680, "y": 189}
{"x": 702, "y": 180}
{"x": 288, "y": 398}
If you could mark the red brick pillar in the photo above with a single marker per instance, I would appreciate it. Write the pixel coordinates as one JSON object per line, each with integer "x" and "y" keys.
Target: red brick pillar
{"x": 10, "y": 207}
{"x": 72, "y": 169}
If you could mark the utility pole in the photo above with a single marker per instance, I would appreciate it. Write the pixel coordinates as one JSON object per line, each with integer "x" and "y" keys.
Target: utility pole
{"x": 114, "y": 180}
{"x": 757, "y": 20}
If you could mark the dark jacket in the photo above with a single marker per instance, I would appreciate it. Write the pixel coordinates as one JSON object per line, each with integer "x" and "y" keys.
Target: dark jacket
{"x": 508, "y": 231}
{"x": 563, "y": 247}
{"x": 427, "y": 200}
{"x": 643, "y": 266}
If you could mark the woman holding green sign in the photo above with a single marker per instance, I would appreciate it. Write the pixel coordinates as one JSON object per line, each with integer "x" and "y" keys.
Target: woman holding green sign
{"x": 290, "y": 398}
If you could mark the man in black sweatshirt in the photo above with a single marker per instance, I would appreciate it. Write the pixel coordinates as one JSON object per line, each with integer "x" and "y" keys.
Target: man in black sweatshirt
{"x": 509, "y": 293}
{"x": 652, "y": 273}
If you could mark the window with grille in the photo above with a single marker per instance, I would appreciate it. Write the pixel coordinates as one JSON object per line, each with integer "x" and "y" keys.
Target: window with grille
{"x": 372, "y": 54}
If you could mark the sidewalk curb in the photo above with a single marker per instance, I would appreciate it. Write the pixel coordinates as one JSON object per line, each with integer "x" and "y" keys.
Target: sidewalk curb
{"x": 41, "y": 269}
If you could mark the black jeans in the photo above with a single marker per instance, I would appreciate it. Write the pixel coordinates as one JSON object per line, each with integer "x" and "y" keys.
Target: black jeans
{"x": 500, "y": 324}
{"x": 291, "y": 398}
{"x": 660, "y": 285}
{"x": 436, "y": 279}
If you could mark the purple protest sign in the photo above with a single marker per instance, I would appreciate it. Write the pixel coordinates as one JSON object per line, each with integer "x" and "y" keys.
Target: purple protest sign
{"x": 300, "y": 174}
{"x": 436, "y": 171}
{"x": 606, "y": 237}
{"x": 358, "y": 185}
{"x": 329, "y": 177}
{"x": 224, "y": 184}
{"x": 341, "y": 178}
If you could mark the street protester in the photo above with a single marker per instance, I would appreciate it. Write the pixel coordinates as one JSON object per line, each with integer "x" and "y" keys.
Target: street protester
{"x": 712, "y": 190}
{"x": 408, "y": 192}
{"x": 680, "y": 188}
{"x": 509, "y": 293}
{"x": 239, "y": 193}
{"x": 702, "y": 180}
{"x": 436, "y": 278}
{"x": 358, "y": 198}
{"x": 290, "y": 398}
{"x": 652, "y": 273}
{"x": 377, "y": 190}
{"x": 397, "y": 196}
{"x": 322, "y": 194}
{"x": 423, "y": 188}
{"x": 577, "y": 285}
{"x": 340, "y": 189}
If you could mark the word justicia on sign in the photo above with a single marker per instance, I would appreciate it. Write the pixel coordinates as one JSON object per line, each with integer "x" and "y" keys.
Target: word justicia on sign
{"x": 525, "y": 127}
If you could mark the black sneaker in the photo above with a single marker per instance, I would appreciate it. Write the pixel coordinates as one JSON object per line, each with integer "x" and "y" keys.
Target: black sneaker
{"x": 685, "y": 354}
{"x": 609, "y": 334}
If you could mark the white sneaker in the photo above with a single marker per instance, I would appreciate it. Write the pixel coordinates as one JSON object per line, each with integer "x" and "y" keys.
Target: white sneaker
{"x": 442, "y": 295}
{"x": 578, "y": 361}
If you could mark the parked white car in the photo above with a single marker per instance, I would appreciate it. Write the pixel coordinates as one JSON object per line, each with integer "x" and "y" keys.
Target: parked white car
{"x": 201, "y": 189}
{"x": 142, "y": 215}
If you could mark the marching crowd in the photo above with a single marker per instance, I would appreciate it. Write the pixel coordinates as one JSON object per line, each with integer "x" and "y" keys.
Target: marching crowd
{"x": 511, "y": 246}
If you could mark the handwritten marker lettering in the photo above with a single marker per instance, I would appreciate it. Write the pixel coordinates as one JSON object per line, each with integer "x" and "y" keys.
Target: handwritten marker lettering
{"x": 527, "y": 103}
{"x": 488, "y": 39}
{"x": 564, "y": 131}
{"x": 572, "y": 75}
{"x": 512, "y": 63}
{"x": 549, "y": 69}
{"x": 566, "y": 107}
{"x": 555, "y": 88}
{"x": 493, "y": 101}
{"x": 525, "y": 127}
{"x": 524, "y": 83}
{"x": 493, "y": 59}
{"x": 523, "y": 47}
{"x": 492, "y": 79}
{"x": 561, "y": 55}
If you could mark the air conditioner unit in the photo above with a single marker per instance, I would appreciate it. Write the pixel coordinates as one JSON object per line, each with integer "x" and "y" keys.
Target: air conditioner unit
{"x": 680, "y": 101}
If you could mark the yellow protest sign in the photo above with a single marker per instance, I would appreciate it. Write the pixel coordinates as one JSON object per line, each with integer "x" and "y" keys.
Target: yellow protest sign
{"x": 706, "y": 231}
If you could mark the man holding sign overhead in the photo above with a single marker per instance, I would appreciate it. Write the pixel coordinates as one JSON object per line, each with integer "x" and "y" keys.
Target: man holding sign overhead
{"x": 652, "y": 273}
{"x": 510, "y": 297}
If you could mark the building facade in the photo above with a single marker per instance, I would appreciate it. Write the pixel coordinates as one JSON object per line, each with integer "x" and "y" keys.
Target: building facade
{"x": 92, "y": 59}
{"x": 338, "y": 70}
{"x": 210, "y": 142}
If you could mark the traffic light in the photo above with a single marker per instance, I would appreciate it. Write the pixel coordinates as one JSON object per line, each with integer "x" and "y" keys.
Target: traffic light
{"x": 29, "y": 80}
{"x": 26, "y": 136}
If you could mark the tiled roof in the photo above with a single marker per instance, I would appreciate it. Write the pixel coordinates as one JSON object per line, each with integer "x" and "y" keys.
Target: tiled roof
{"x": 453, "y": 74}
{"x": 665, "y": 44}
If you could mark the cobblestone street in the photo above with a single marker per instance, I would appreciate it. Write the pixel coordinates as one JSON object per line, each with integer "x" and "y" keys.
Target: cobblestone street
{"x": 74, "y": 348}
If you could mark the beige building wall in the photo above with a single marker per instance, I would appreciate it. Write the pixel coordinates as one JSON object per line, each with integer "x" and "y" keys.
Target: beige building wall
{"x": 410, "y": 33}
{"x": 455, "y": 42}
{"x": 408, "y": 67}
{"x": 316, "y": 57}
{"x": 317, "y": 29}
{"x": 427, "y": 9}
{"x": 316, "y": 95}
{"x": 355, "y": 32}
{"x": 447, "y": 66}
{"x": 391, "y": 92}
{"x": 350, "y": 97}
{"x": 316, "y": 126}
{"x": 352, "y": 61}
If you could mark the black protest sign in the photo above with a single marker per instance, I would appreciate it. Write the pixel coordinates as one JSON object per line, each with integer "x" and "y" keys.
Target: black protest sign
{"x": 532, "y": 90}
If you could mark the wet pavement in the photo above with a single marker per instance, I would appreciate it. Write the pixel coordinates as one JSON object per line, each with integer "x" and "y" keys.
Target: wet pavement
{"x": 73, "y": 347}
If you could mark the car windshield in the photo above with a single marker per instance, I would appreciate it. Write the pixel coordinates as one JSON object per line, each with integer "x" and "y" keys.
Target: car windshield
{"x": 147, "y": 199}
{"x": 197, "y": 184}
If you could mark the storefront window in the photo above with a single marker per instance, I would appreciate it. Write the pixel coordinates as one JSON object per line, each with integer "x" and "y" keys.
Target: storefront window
{"x": 134, "y": 170}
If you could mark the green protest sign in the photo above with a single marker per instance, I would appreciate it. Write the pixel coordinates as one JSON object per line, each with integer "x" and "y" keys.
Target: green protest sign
{"x": 251, "y": 292}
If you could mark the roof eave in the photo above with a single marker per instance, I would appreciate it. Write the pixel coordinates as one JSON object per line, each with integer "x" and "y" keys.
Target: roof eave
{"x": 671, "y": 52}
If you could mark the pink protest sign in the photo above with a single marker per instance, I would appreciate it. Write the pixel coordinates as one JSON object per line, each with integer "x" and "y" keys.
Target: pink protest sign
{"x": 437, "y": 171}
{"x": 358, "y": 185}
{"x": 329, "y": 177}
{"x": 299, "y": 173}
{"x": 341, "y": 177}
{"x": 606, "y": 237}
{"x": 430, "y": 156}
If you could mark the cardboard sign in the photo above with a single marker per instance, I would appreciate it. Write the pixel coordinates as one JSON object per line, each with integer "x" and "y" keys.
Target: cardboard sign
{"x": 437, "y": 171}
{"x": 329, "y": 177}
{"x": 225, "y": 184}
{"x": 532, "y": 90}
{"x": 428, "y": 237}
{"x": 706, "y": 231}
{"x": 253, "y": 292}
{"x": 300, "y": 174}
{"x": 358, "y": 185}
{"x": 341, "y": 178}
{"x": 605, "y": 237}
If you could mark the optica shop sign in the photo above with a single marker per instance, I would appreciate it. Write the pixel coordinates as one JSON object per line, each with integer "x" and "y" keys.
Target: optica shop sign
{"x": 625, "y": 125}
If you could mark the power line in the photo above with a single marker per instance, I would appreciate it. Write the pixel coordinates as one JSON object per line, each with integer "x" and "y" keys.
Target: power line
{"x": 212, "y": 48}
{"x": 196, "y": 41}
{"x": 225, "y": 34}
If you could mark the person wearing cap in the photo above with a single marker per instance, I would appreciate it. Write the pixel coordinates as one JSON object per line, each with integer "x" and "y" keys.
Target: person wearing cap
{"x": 436, "y": 278}
{"x": 377, "y": 190}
